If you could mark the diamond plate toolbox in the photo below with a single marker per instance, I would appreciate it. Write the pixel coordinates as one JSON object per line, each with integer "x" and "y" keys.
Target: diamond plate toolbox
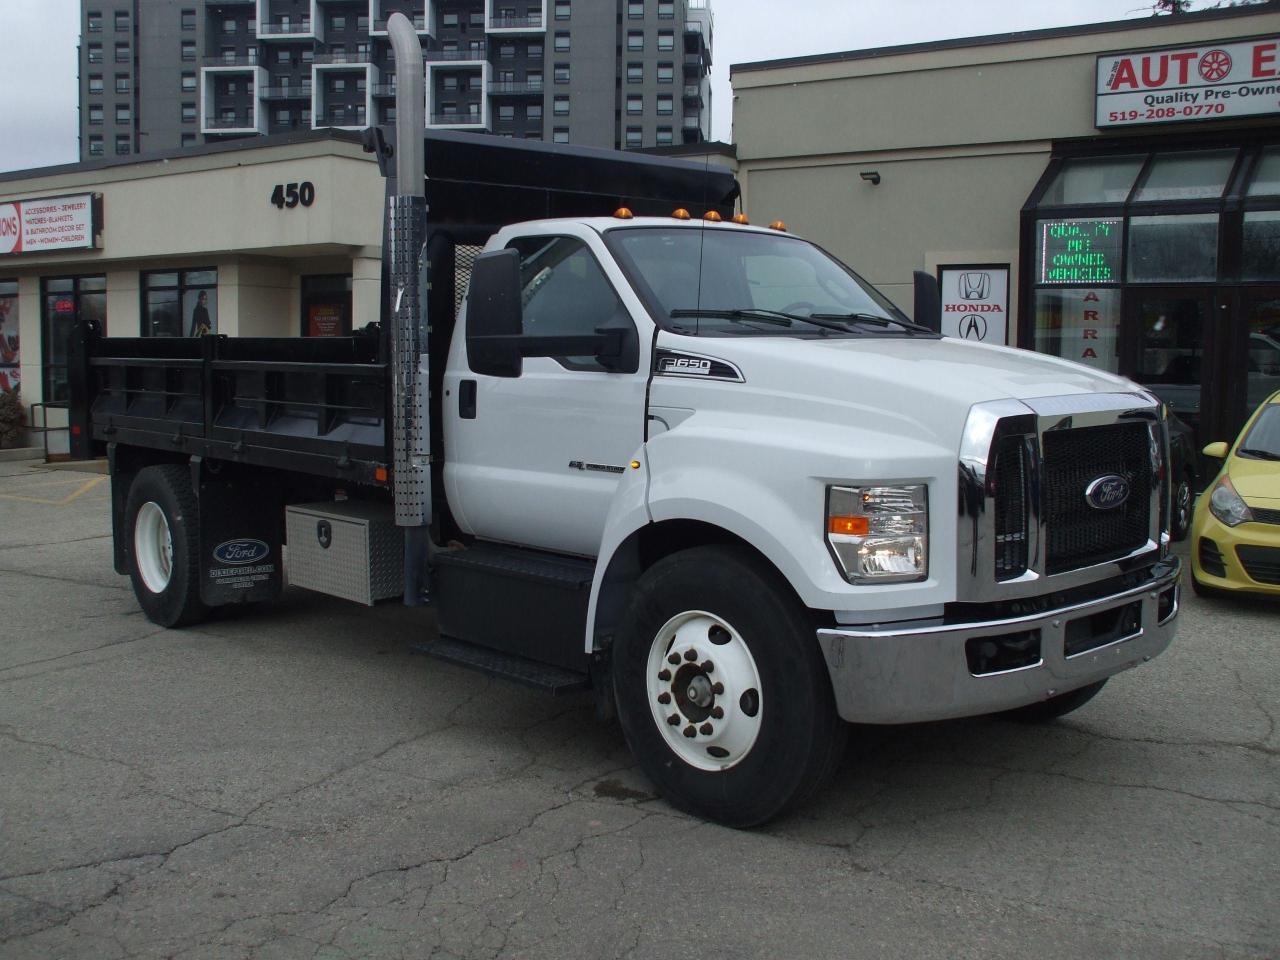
{"x": 351, "y": 550}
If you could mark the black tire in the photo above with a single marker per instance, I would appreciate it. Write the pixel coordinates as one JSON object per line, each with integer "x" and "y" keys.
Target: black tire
{"x": 800, "y": 738}
{"x": 1055, "y": 707}
{"x": 1181, "y": 509}
{"x": 168, "y": 487}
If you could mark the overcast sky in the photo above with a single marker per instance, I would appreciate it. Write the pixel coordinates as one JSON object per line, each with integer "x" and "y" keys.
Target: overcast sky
{"x": 38, "y": 50}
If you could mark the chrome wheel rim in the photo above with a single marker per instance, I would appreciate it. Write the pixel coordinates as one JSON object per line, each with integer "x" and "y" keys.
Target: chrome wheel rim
{"x": 153, "y": 547}
{"x": 1184, "y": 505}
{"x": 704, "y": 690}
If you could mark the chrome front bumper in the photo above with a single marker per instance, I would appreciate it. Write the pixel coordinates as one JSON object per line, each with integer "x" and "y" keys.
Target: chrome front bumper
{"x": 901, "y": 673}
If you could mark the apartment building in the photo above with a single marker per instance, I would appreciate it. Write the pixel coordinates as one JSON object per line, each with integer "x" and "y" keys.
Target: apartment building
{"x": 162, "y": 74}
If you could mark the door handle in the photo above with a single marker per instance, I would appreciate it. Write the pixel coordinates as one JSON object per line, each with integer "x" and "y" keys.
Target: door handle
{"x": 467, "y": 399}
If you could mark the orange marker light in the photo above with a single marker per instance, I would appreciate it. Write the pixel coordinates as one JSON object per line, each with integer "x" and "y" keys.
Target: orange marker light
{"x": 681, "y": 214}
{"x": 622, "y": 213}
{"x": 741, "y": 218}
{"x": 849, "y": 526}
{"x": 713, "y": 216}
{"x": 778, "y": 225}
{"x": 380, "y": 474}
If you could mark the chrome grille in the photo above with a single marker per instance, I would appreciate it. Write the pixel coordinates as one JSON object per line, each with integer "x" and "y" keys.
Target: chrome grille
{"x": 1011, "y": 476}
{"x": 1077, "y": 534}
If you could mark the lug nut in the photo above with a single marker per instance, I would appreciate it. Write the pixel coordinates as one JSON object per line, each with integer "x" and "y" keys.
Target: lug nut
{"x": 674, "y": 719}
{"x": 674, "y": 659}
{"x": 664, "y": 698}
{"x": 708, "y": 666}
{"x": 705, "y": 729}
{"x": 691, "y": 655}
{"x": 664, "y": 675}
{"x": 717, "y": 713}
{"x": 717, "y": 688}
{"x": 690, "y": 732}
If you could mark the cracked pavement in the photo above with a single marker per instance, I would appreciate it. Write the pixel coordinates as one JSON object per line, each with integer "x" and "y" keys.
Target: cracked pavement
{"x": 289, "y": 781}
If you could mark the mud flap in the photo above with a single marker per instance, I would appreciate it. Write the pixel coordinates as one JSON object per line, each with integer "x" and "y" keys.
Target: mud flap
{"x": 241, "y": 540}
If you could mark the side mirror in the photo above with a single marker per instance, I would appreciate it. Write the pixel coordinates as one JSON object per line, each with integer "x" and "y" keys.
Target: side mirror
{"x": 1218, "y": 450}
{"x": 494, "y": 316}
{"x": 928, "y": 301}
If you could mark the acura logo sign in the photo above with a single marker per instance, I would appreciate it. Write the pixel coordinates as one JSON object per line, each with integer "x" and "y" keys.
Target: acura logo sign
{"x": 974, "y": 327}
{"x": 1107, "y": 492}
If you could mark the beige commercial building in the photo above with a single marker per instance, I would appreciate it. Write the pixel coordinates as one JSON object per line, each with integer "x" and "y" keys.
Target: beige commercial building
{"x": 1107, "y": 193}
{"x": 278, "y": 237}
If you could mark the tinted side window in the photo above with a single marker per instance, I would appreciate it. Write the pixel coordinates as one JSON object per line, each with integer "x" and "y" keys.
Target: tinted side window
{"x": 564, "y": 292}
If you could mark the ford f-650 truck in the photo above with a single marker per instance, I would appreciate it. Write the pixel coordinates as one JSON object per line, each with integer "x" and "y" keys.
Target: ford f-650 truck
{"x": 695, "y": 465}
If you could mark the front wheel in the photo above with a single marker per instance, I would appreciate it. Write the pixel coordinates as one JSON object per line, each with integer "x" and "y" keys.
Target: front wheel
{"x": 162, "y": 522}
{"x": 1182, "y": 508}
{"x": 721, "y": 688}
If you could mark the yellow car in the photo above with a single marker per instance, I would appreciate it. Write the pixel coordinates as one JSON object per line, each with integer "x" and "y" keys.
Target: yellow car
{"x": 1235, "y": 536}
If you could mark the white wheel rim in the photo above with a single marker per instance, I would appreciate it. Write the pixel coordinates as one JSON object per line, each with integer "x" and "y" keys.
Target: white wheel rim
{"x": 153, "y": 547}
{"x": 711, "y": 689}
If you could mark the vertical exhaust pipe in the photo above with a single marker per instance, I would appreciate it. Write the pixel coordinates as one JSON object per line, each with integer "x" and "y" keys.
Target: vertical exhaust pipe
{"x": 407, "y": 235}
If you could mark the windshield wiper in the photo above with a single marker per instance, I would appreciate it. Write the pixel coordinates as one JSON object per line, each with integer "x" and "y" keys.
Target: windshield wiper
{"x": 748, "y": 314}
{"x": 1260, "y": 454}
{"x": 875, "y": 318}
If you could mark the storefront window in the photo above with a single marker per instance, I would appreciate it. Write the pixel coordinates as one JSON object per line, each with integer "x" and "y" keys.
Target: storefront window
{"x": 1187, "y": 176}
{"x": 326, "y": 306}
{"x": 10, "y": 356}
{"x": 64, "y": 301}
{"x": 180, "y": 303}
{"x": 1266, "y": 176}
{"x": 1175, "y": 249}
{"x": 1171, "y": 340}
{"x": 1080, "y": 324}
{"x": 1261, "y": 252}
{"x": 1095, "y": 180}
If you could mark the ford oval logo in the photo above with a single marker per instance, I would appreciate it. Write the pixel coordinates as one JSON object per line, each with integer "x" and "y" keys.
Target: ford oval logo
{"x": 239, "y": 552}
{"x": 1107, "y": 492}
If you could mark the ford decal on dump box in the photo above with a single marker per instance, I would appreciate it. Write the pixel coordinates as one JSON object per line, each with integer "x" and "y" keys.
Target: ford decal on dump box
{"x": 787, "y": 505}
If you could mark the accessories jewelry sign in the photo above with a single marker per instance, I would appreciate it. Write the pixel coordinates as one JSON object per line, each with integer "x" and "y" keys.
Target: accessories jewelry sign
{"x": 975, "y": 302}
{"x": 50, "y": 223}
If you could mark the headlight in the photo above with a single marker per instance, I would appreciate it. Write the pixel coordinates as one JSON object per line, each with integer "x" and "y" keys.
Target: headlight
{"x": 1226, "y": 505}
{"x": 879, "y": 534}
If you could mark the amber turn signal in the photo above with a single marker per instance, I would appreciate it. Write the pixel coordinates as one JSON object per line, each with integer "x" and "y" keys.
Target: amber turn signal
{"x": 849, "y": 526}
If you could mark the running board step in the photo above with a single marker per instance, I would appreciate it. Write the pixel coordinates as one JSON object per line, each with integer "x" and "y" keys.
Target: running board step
{"x": 529, "y": 673}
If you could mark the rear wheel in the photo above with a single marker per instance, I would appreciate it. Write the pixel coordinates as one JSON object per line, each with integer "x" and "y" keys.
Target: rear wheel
{"x": 721, "y": 688}
{"x": 1055, "y": 707}
{"x": 163, "y": 530}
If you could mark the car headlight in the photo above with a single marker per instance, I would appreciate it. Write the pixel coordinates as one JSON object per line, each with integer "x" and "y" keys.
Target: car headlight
{"x": 1226, "y": 505}
{"x": 879, "y": 534}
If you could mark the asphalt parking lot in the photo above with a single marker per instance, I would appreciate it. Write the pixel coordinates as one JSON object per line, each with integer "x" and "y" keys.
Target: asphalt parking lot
{"x": 291, "y": 782}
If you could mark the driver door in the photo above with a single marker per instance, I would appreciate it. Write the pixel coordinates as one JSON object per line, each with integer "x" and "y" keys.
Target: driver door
{"x": 535, "y": 459}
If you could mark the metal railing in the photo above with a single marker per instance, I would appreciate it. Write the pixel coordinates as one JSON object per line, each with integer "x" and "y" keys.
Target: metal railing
{"x": 516, "y": 23}
{"x": 456, "y": 119}
{"x": 344, "y": 56}
{"x": 384, "y": 90}
{"x": 246, "y": 59}
{"x": 516, "y": 87}
{"x": 477, "y": 51}
{"x": 419, "y": 24}
{"x": 341, "y": 119}
{"x": 284, "y": 29}
{"x": 238, "y": 121}
{"x": 296, "y": 92}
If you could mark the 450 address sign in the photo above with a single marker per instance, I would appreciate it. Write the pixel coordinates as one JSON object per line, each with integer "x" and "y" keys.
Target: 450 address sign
{"x": 289, "y": 195}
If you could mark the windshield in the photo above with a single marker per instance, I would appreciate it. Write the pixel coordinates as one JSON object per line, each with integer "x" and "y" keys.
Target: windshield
{"x": 1263, "y": 441}
{"x": 727, "y": 282}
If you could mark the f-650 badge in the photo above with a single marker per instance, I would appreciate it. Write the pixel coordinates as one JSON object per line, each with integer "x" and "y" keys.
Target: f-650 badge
{"x": 670, "y": 363}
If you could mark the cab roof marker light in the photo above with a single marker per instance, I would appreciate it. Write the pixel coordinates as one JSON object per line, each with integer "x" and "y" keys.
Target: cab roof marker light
{"x": 742, "y": 219}
{"x": 680, "y": 213}
{"x": 623, "y": 213}
{"x": 712, "y": 216}
{"x": 778, "y": 225}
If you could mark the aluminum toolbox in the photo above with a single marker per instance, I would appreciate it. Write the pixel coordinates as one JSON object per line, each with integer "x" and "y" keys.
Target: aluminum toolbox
{"x": 351, "y": 550}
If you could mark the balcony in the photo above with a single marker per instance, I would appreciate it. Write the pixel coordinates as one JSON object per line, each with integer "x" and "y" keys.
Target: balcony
{"x": 295, "y": 92}
{"x": 477, "y": 50}
{"x": 693, "y": 94}
{"x": 292, "y": 30}
{"x": 457, "y": 119}
{"x": 692, "y": 122}
{"x": 532, "y": 20}
{"x": 383, "y": 89}
{"x": 356, "y": 58}
{"x": 226, "y": 122}
{"x": 341, "y": 118}
{"x": 249, "y": 58}
{"x": 515, "y": 23}
{"x": 693, "y": 26}
{"x": 419, "y": 25}
{"x": 516, "y": 88}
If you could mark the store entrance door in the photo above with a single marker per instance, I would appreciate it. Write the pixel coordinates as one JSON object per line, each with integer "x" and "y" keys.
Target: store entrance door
{"x": 1171, "y": 350}
{"x": 1260, "y": 312}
